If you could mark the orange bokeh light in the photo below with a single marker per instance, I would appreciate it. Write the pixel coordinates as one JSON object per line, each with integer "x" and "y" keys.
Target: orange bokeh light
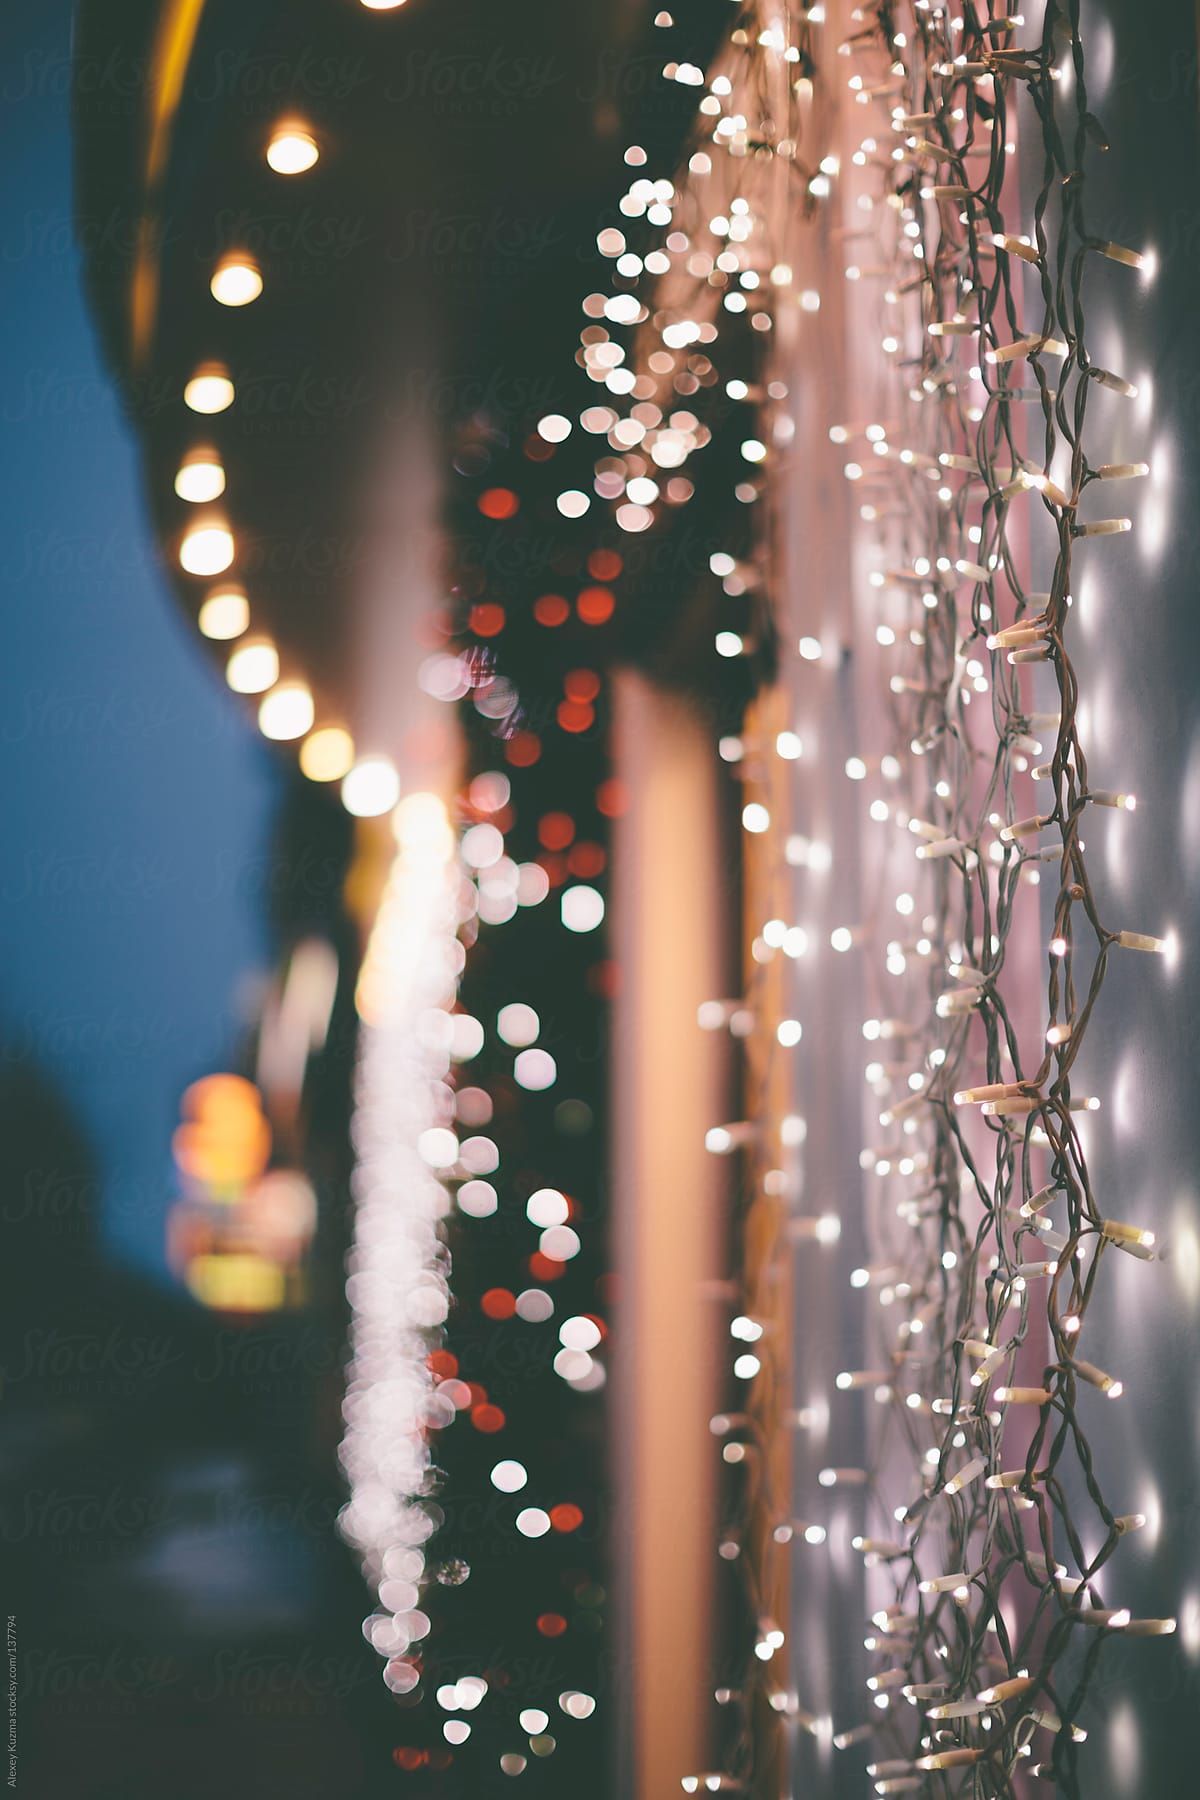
{"x": 581, "y": 684}
{"x": 487, "y": 619}
{"x": 604, "y": 565}
{"x": 574, "y": 716}
{"x": 586, "y": 861}
{"x": 611, "y": 799}
{"x": 488, "y": 1418}
{"x": 498, "y": 1303}
{"x": 498, "y": 503}
{"x": 556, "y": 830}
{"x": 551, "y": 609}
{"x": 595, "y": 605}
{"x": 523, "y": 749}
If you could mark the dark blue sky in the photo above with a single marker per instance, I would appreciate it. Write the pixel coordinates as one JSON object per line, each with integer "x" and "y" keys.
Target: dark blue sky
{"x": 138, "y": 797}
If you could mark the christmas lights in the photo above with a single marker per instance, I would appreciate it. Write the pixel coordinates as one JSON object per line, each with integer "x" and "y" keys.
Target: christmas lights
{"x": 972, "y": 348}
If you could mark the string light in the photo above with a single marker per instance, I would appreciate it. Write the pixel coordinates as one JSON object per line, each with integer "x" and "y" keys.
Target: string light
{"x": 292, "y": 150}
{"x": 371, "y": 787}
{"x": 210, "y": 389}
{"x": 327, "y": 754}
{"x": 253, "y": 667}
{"x": 973, "y": 335}
{"x": 200, "y": 477}
{"x": 207, "y": 549}
{"x": 397, "y": 1285}
{"x": 286, "y": 712}
{"x": 224, "y": 614}
{"x": 236, "y": 280}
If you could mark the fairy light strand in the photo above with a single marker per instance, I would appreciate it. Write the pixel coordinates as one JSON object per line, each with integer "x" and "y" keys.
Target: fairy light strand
{"x": 989, "y": 1238}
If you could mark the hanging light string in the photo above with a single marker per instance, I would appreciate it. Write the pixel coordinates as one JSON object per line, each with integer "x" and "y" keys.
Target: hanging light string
{"x": 983, "y": 1523}
{"x": 997, "y": 1233}
{"x": 709, "y": 242}
{"x": 397, "y": 1281}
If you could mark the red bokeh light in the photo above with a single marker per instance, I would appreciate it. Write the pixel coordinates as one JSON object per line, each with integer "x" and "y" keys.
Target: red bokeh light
{"x": 581, "y": 684}
{"x": 487, "y": 619}
{"x": 551, "y": 609}
{"x": 574, "y": 716}
{"x": 523, "y": 749}
{"x": 595, "y": 605}
{"x": 611, "y": 799}
{"x": 498, "y": 503}
{"x": 604, "y": 979}
{"x": 556, "y": 830}
{"x": 498, "y": 1303}
{"x": 586, "y": 861}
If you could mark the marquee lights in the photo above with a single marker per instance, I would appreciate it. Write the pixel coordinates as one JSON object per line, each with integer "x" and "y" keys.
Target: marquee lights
{"x": 292, "y": 150}
{"x": 253, "y": 667}
{"x": 224, "y": 614}
{"x": 200, "y": 477}
{"x": 236, "y": 280}
{"x": 210, "y": 389}
{"x": 207, "y": 549}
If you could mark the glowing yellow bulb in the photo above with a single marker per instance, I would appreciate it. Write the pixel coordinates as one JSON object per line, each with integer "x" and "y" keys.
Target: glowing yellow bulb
{"x": 210, "y": 389}
{"x": 206, "y": 550}
{"x": 371, "y": 787}
{"x": 253, "y": 667}
{"x": 286, "y": 712}
{"x": 328, "y": 754}
{"x": 225, "y": 614}
{"x": 200, "y": 477}
{"x": 236, "y": 280}
{"x": 292, "y": 150}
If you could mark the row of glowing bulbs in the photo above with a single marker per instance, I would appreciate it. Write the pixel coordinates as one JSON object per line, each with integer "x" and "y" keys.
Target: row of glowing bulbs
{"x": 370, "y": 785}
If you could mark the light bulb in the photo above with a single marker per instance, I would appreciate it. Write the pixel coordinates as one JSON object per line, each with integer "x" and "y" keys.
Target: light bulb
{"x": 371, "y": 787}
{"x": 206, "y": 549}
{"x": 327, "y": 754}
{"x": 200, "y": 477}
{"x": 210, "y": 389}
{"x": 224, "y": 614}
{"x": 292, "y": 150}
{"x": 236, "y": 280}
{"x": 286, "y": 712}
{"x": 253, "y": 667}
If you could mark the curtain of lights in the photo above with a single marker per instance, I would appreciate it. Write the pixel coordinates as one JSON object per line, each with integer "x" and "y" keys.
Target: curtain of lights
{"x": 936, "y": 454}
